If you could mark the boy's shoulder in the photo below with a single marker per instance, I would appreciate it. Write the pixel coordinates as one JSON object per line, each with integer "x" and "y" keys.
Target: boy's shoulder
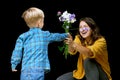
{"x": 22, "y": 35}
{"x": 46, "y": 32}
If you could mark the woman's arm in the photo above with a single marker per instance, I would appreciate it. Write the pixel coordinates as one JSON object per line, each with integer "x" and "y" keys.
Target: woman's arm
{"x": 82, "y": 49}
{"x": 75, "y": 46}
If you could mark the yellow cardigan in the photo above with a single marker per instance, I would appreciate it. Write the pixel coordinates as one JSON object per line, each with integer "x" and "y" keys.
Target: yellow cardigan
{"x": 100, "y": 54}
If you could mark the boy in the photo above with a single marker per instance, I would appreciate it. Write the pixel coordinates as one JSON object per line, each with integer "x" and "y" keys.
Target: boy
{"x": 32, "y": 46}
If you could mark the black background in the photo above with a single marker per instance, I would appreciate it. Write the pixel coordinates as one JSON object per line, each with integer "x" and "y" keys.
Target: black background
{"x": 104, "y": 13}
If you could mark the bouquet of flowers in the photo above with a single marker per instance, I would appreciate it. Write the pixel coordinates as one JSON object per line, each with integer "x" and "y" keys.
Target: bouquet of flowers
{"x": 67, "y": 19}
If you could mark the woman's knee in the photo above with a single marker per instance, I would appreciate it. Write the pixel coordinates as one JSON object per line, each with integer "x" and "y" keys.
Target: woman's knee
{"x": 66, "y": 76}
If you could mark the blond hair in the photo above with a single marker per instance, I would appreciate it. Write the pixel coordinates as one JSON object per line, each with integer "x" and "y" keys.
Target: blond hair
{"x": 32, "y": 15}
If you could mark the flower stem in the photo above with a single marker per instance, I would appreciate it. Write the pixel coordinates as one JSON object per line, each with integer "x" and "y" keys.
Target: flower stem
{"x": 66, "y": 51}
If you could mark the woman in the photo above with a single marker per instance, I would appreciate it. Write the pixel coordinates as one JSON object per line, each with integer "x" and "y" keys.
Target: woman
{"x": 91, "y": 46}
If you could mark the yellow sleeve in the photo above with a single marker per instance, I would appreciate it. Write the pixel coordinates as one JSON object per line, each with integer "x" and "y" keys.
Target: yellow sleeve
{"x": 98, "y": 48}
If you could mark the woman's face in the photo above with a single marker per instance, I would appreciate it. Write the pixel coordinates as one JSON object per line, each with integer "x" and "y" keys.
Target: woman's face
{"x": 84, "y": 29}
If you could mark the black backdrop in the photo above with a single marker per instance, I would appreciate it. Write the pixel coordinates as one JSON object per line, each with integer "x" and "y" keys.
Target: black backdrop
{"x": 102, "y": 12}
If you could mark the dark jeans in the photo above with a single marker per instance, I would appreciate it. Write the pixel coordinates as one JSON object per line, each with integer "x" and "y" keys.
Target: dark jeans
{"x": 66, "y": 76}
{"x": 93, "y": 71}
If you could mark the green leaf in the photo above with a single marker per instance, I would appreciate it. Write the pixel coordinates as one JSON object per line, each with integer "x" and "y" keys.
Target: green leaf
{"x": 60, "y": 48}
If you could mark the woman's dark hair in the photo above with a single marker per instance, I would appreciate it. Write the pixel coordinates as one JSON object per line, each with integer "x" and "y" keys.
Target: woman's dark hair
{"x": 95, "y": 30}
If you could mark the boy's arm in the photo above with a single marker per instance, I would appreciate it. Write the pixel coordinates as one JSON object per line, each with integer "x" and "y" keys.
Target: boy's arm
{"x": 16, "y": 54}
{"x": 57, "y": 36}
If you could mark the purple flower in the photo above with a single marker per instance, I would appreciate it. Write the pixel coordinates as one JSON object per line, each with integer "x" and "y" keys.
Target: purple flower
{"x": 59, "y": 13}
{"x": 70, "y": 18}
{"x": 67, "y": 20}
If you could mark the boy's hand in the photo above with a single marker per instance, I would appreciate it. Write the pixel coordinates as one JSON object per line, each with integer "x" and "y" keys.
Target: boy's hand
{"x": 69, "y": 35}
{"x": 69, "y": 39}
{"x": 14, "y": 70}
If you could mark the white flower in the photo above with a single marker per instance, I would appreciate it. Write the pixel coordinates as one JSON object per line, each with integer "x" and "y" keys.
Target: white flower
{"x": 67, "y": 20}
{"x": 67, "y": 27}
{"x": 70, "y": 18}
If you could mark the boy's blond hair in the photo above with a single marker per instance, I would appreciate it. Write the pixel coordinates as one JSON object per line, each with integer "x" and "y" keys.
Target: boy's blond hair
{"x": 32, "y": 15}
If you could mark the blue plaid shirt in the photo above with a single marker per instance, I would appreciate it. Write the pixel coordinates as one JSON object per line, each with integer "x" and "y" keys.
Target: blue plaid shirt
{"x": 32, "y": 48}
